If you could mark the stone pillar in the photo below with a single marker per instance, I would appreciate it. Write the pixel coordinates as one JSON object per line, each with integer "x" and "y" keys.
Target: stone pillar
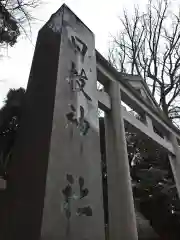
{"x": 56, "y": 171}
{"x": 122, "y": 222}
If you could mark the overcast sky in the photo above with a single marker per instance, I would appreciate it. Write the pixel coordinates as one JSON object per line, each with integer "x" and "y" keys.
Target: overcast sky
{"x": 101, "y": 16}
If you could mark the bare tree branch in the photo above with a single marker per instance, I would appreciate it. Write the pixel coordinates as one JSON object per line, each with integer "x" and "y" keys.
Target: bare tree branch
{"x": 149, "y": 45}
{"x": 14, "y": 14}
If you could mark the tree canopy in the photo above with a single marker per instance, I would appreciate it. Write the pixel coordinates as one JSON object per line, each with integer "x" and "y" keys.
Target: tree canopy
{"x": 13, "y": 15}
{"x": 10, "y": 115}
{"x": 154, "y": 187}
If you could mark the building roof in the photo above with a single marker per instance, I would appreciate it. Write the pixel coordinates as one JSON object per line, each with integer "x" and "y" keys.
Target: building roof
{"x": 139, "y": 83}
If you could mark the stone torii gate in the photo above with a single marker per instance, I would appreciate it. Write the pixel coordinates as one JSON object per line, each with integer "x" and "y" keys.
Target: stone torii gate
{"x": 57, "y": 190}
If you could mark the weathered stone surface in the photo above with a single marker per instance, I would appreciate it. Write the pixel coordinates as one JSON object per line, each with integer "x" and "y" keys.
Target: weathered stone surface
{"x": 27, "y": 174}
{"x": 73, "y": 156}
{"x": 51, "y": 153}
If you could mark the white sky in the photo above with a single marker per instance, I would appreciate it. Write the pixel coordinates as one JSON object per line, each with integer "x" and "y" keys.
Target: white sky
{"x": 101, "y": 16}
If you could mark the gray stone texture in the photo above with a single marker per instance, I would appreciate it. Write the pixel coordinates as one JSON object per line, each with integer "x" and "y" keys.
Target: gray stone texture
{"x": 47, "y": 149}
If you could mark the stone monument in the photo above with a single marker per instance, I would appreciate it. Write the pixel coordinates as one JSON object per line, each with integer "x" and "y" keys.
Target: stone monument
{"x": 57, "y": 190}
